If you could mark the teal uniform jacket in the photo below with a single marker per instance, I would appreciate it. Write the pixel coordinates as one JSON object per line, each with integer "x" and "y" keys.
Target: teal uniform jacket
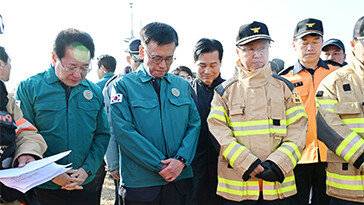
{"x": 79, "y": 125}
{"x": 104, "y": 80}
{"x": 148, "y": 130}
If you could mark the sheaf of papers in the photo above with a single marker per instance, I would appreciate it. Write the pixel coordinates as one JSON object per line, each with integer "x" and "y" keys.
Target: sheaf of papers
{"x": 34, "y": 173}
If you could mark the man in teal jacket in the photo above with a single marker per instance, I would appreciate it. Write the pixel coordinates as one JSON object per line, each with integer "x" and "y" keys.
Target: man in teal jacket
{"x": 156, "y": 124}
{"x": 68, "y": 111}
{"x": 106, "y": 68}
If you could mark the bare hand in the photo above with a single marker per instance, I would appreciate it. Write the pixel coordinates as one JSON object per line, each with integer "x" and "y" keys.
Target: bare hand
{"x": 259, "y": 169}
{"x": 64, "y": 179}
{"x": 80, "y": 175}
{"x": 172, "y": 169}
{"x": 25, "y": 159}
{"x": 115, "y": 174}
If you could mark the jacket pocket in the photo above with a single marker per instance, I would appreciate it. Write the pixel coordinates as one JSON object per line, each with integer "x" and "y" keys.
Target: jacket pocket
{"x": 179, "y": 101}
{"x": 145, "y": 108}
{"x": 49, "y": 112}
{"x": 89, "y": 111}
{"x": 343, "y": 108}
{"x": 277, "y": 124}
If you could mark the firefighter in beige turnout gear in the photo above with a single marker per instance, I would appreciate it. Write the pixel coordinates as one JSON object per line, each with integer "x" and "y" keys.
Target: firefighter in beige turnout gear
{"x": 340, "y": 122}
{"x": 261, "y": 125}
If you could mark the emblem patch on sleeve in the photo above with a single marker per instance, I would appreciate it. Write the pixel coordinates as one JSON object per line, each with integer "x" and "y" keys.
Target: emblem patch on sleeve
{"x": 116, "y": 98}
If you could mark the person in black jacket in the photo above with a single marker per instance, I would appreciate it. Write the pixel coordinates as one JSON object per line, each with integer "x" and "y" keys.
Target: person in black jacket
{"x": 207, "y": 56}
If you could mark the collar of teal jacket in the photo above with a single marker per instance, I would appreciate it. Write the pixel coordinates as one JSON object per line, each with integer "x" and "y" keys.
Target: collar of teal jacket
{"x": 145, "y": 76}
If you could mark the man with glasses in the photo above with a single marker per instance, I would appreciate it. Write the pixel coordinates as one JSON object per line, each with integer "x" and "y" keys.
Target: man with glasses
{"x": 68, "y": 111}
{"x": 155, "y": 123}
{"x": 260, "y": 123}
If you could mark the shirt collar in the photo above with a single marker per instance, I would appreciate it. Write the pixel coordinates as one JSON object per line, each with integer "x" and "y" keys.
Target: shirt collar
{"x": 108, "y": 75}
{"x": 145, "y": 76}
{"x": 51, "y": 77}
{"x": 298, "y": 67}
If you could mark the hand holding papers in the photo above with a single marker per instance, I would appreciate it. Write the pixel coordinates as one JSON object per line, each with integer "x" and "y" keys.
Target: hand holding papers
{"x": 33, "y": 173}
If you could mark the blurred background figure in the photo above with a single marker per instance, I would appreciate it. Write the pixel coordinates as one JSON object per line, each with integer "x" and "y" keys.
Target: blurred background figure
{"x": 277, "y": 65}
{"x": 133, "y": 57}
{"x": 334, "y": 50}
{"x": 106, "y": 68}
{"x": 183, "y": 72}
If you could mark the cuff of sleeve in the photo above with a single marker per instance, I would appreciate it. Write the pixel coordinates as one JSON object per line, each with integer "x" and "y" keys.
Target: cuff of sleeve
{"x": 87, "y": 170}
{"x": 359, "y": 161}
{"x": 247, "y": 173}
{"x": 278, "y": 171}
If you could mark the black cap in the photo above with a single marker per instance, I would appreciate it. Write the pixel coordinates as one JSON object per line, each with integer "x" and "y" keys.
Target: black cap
{"x": 359, "y": 30}
{"x": 251, "y": 32}
{"x": 133, "y": 49}
{"x": 335, "y": 42}
{"x": 308, "y": 26}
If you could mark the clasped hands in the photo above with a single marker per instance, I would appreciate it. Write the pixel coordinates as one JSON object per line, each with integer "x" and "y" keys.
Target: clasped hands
{"x": 72, "y": 179}
{"x": 171, "y": 169}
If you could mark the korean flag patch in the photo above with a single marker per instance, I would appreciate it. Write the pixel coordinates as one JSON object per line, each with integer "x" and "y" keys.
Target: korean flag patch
{"x": 116, "y": 98}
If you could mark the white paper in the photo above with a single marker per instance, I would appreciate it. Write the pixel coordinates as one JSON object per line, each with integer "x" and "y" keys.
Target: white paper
{"x": 33, "y": 173}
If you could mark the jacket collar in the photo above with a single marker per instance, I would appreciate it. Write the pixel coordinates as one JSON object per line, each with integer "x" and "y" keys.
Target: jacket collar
{"x": 50, "y": 77}
{"x": 298, "y": 67}
{"x": 145, "y": 76}
{"x": 108, "y": 75}
{"x": 358, "y": 66}
{"x": 256, "y": 78}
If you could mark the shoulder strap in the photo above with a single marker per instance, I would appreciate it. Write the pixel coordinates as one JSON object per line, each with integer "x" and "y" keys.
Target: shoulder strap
{"x": 287, "y": 82}
{"x": 220, "y": 89}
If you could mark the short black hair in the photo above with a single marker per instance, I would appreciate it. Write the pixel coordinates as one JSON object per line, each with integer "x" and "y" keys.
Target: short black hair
{"x": 161, "y": 33}
{"x": 108, "y": 62}
{"x": 205, "y": 45}
{"x": 3, "y": 55}
{"x": 182, "y": 68}
{"x": 69, "y": 36}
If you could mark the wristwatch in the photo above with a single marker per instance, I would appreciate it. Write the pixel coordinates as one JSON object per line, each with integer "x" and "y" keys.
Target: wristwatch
{"x": 183, "y": 160}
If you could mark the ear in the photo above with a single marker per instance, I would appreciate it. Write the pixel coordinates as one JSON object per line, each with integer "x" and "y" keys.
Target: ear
{"x": 128, "y": 59}
{"x": 54, "y": 59}
{"x": 141, "y": 52}
{"x": 344, "y": 57}
{"x": 352, "y": 43}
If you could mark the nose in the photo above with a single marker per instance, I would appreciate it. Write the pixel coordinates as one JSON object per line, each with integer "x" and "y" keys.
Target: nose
{"x": 163, "y": 64}
{"x": 77, "y": 74}
{"x": 207, "y": 70}
{"x": 310, "y": 47}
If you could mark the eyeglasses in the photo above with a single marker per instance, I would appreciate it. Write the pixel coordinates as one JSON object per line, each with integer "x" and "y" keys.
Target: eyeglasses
{"x": 83, "y": 69}
{"x": 253, "y": 50}
{"x": 159, "y": 59}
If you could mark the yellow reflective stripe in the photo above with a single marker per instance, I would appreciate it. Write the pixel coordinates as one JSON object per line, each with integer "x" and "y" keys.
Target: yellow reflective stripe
{"x": 355, "y": 124}
{"x": 296, "y": 117}
{"x": 238, "y": 184}
{"x": 345, "y": 177}
{"x": 236, "y": 155}
{"x": 232, "y": 152}
{"x": 327, "y": 101}
{"x": 292, "y": 109}
{"x": 229, "y": 148}
{"x": 255, "y": 122}
{"x": 288, "y": 188}
{"x": 292, "y": 152}
{"x": 217, "y": 116}
{"x": 327, "y": 104}
{"x": 352, "y": 150}
{"x": 282, "y": 188}
{"x": 334, "y": 181}
{"x": 353, "y": 120}
{"x": 259, "y": 132}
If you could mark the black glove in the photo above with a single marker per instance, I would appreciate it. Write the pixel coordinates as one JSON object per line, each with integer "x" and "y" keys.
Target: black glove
{"x": 271, "y": 172}
{"x": 359, "y": 161}
{"x": 246, "y": 175}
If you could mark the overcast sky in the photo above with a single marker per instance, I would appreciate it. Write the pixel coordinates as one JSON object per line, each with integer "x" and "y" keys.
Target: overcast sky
{"x": 32, "y": 25}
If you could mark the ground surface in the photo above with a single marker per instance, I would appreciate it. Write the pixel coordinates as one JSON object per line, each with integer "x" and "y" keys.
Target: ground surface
{"x": 108, "y": 191}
